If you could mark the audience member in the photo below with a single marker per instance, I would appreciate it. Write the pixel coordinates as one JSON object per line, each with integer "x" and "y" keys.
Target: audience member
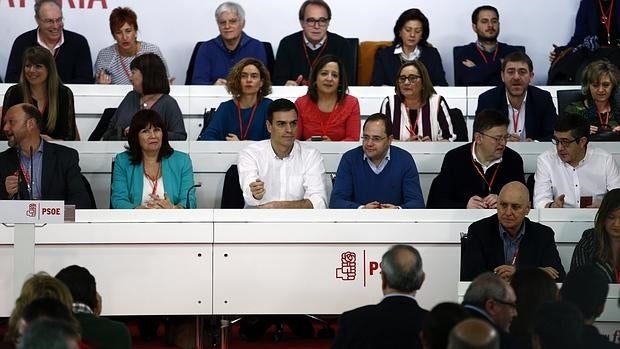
{"x": 411, "y": 33}
{"x": 249, "y": 84}
{"x": 377, "y": 174}
{"x": 40, "y": 86}
{"x": 472, "y": 175}
{"x": 328, "y": 112}
{"x": 32, "y": 168}
{"x": 216, "y": 57}
{"x": 473, "y": 334}
{"x": 508, "y": 241}
{"x": 282, "y": 172}
{"x": 151, "y": 90}
{"x": 113, "y": 62}
{"x": 396, "y": 322}
{"x": 533, "y": 287}
{"x": 600, "y": 246}
{"x": 599, "y": 86}
{"x": 50, "y": 334}
{"x": 480, "y": 63}
{"x": 97, "y": 331}
{"x": 530, "y": 109}
{"x": 574, "y": 174}
{"x": 438, "y": 324}
{"x": 417, "y": 111}
{"x": 150, "y": 174}
{"x": 558, "y": 325}
{"x": 70, "y": 50}
{"x": 49, "y": 308}
{"x": 298, "y": 53}
{"x": 586, "y": 287}
{"x": 492, "y": 299}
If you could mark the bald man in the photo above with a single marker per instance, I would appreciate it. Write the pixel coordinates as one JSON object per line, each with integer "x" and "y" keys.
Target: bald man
{"x": 508, "y": 241}
{"x": 473, "y": 334}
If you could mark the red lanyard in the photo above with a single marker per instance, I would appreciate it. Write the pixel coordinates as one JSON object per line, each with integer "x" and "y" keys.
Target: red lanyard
{"x": 515, "y": 118}
{"x": 515, "y": 256}
{"x": 484, "y": 58}
{"x": 600, "y": 117}
{"x": 484, "y": 178}
{"x": 311, "y": 64}
{"x": 606, "y": 19}
{"x": 155, "y": 181}
{"x": 125, "y": 69}
{"x": 243, "y": 134}
{"x": 325, "y": 125}
{"x": 414, "y": 125}
{"x": 26, "y": 173}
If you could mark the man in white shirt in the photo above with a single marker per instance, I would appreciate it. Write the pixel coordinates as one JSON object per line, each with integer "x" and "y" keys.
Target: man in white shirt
{"x": 281, "y": 172}
{"x": 573, "y": 174}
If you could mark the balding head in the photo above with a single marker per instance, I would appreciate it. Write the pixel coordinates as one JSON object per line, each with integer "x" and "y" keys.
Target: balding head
{"x": 513, "y": 204}
{"x": 473, "y": 334}
{"x": 401, "y": 270}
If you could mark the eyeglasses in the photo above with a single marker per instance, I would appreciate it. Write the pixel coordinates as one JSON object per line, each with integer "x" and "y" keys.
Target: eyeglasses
{"x": 374, "y": 139}
{"x": 411, "y": 78}
{"x": 565, "y": 142}
{"x": 510, "y": 304}
{"x": 231, "y": 22}
{"x": 497, "y": 139}
{"x": 50, "y": 21}
{"x": 322, "y": 22}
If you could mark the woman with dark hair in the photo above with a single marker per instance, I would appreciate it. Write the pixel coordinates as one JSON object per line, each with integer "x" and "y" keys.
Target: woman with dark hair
{"x": 410, "y": 34}
{"x": 112, "y": 64}
{"x": 601, "y": 245}
{"x": 150, "y": 174}
{"x": 418, "y": 113}
{"x": 599, "y": 85}
{"x": 244, "y": 116}
{"x": 150, "y": 91}
{"x": 40, "y": 85}
{"x": 328, "y": 112}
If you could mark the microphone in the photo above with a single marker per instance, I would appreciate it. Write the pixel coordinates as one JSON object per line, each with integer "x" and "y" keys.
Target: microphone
{"x": 197, "y": 185}
{"x": 31, "y": 184}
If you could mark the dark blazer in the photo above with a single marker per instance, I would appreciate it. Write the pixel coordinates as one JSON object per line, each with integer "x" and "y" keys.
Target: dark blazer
{"x": 102, "y": 333}
{"x": 587, "y": 21}
{"x": 61, "y": 178}
{"x": 485, "y": 73}
{"x": 395, "y": 322}
{"x": 484, "y": 250}
{"x": 540, "y": 113}
{"x": 387, "y": 65}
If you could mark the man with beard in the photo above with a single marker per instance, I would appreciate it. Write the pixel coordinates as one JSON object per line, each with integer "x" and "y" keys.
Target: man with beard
{"x": 35, "y": 169}
{"x": 530, "y": 110}
{"x": 479, "y": 63}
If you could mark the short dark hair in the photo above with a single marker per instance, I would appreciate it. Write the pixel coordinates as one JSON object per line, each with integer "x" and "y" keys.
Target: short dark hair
{"x": 81, "y": 283}
{"x": 577, "y": 125}
{"x": 440, "y": 321}
{"x": 559, "y": 325}
{"x": 587, "y": 288}
{"x": 48, "y": 334}
{"x": 401, "y": 275}
{"x": 141, "y": 120}
{"x": 120, "y": 16}
{"x": 280, "y": 104}
{"x": 154, "y": 75}
{"x": 387, "y": 122}
{"x": 518, "y": 56}
{"x": 47, "y": 308}
{"x": 343, "y": 85}
{"x": 302, "y": 9}
{"x": 33, "y": 112}
{"x": 474, "y": 15}
{"x": 489, "y": 118}
{"x": 412, "y": 14}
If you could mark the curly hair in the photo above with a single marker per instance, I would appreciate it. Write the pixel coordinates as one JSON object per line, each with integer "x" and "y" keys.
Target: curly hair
{"x": 595, "y": 71}
{"x": 233, "y": 81}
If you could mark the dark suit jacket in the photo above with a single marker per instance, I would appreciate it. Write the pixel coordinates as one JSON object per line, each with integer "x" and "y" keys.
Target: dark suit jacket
{"x": 505, "y": 339}
{"x": 387, "y": 65}
{"x": 61, "y": 178}
{"x": 484, "y": 249}
{"x": 540, "y": 113}
{"x": 587, "y": 21}
{"x": 102, "y": 333}
{"x": 394, "y": 323}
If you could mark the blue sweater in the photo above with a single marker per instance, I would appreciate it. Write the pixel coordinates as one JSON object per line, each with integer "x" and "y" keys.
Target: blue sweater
{"x": 226, "y": 121}
{"x": 356, "y": 184}
{"x": 214, "y": 60}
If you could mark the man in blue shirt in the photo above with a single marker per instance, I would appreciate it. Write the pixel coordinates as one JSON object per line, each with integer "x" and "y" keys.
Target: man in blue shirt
{"x": 377, "y": 174}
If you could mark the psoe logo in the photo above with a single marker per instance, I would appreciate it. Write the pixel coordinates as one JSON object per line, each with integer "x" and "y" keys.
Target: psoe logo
{"x": 347, "y": 266}
{"x": 32, "y": 209}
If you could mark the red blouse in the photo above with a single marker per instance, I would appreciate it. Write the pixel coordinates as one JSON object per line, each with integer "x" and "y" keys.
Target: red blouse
{"x": 341, "y": 124}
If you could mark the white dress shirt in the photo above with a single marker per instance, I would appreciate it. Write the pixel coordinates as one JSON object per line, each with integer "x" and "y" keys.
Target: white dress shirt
{"x": 300, "y": 175}
{"x": 595, "y": 175}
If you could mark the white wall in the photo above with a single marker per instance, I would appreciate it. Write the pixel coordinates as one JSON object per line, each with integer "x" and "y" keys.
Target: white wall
{"x": 177, "y": 25}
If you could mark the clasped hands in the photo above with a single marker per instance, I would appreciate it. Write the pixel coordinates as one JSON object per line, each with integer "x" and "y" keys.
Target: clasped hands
{"x": 489, "y": 201}
{"x": 156, "y": 202}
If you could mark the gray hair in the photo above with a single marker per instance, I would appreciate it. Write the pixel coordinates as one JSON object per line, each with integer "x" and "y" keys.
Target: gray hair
{"x": 232, "y": 7}
{"x": 484, "y": 287}
{"x": 39, "y": 3}
{"x": 400, "y": 273}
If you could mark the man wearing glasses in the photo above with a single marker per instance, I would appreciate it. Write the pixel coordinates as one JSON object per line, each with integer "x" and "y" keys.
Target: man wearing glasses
{"x": 573, "y": 174}
{"x": 70, "y": 50}
{"x": 298, "y": 52}
{"x": 377, "y": 174}
{"x": 472, "y": 175}
{"x": 530, "y": 110}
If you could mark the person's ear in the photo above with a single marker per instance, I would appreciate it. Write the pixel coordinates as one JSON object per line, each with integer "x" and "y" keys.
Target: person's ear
{"x": 268, "y": 126}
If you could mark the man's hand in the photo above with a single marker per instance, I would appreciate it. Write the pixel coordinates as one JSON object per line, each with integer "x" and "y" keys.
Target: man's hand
{"x": 551, "y": 271}
{"x": 232, "y": 137}
{"x": 557, "y": 202}
{"x": 490, "y": 201}
{"x": 476, "y": 202}
{"x": 10, "y": 184}
{"x": 593, "y": 129}
{"x": 552, "y": 54}
{"x": 468, "y": 63}
{"x": 505, "y": 271}
{"x": 372, "y": 205}
{"x": 389, "y": 206}
{"x": 258, "y": 189}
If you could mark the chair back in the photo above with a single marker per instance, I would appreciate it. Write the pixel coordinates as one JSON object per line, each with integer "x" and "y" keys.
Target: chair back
{"x": 192, "y": 62}
{"x": 366, "y": 60}
{"x": 102, "y": 125}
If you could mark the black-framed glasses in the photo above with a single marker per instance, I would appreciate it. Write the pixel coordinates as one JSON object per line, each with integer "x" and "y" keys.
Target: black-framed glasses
{"x": 565, "y": 142}
{"x": 510, "y": 304}
{"x": 322, "y": 22}
{"x": 497, "y": 139}
{"x": 411, "y": 78}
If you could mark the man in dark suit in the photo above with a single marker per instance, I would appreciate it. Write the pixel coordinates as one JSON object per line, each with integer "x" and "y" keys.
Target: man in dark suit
{"x": 530, "y": 109}
{"x": 397, "y": 320}
{"x": 35, "y": 169}
{"x": 508, "y": 241}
